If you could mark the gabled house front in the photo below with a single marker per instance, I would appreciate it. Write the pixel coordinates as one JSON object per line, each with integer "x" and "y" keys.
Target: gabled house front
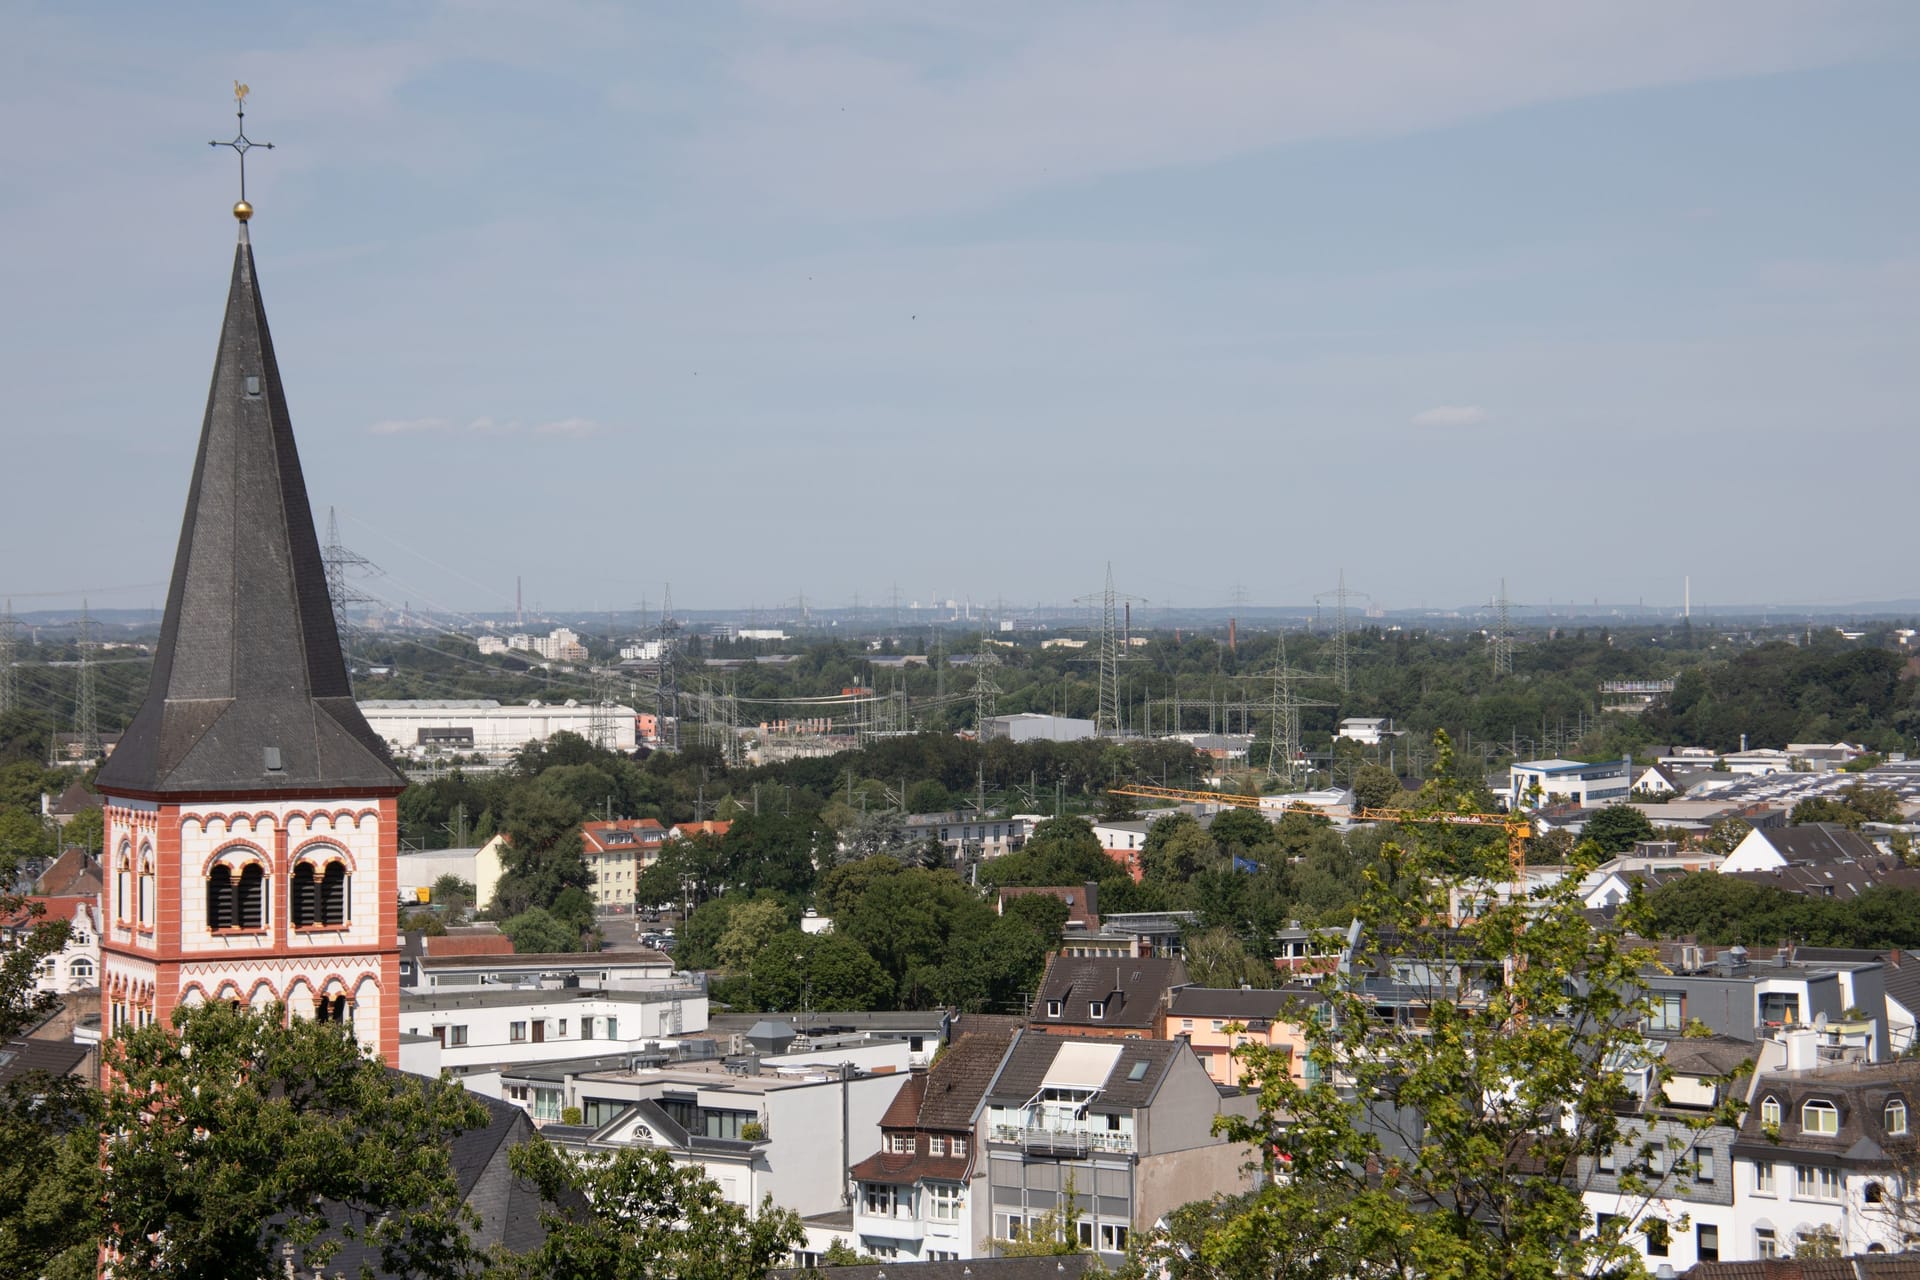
{"x": 1100, "y": 1138}
{"x": 919, "y": 1198}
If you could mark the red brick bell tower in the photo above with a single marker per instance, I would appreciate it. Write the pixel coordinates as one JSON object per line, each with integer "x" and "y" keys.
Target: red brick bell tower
{"x": 250, "y": 810}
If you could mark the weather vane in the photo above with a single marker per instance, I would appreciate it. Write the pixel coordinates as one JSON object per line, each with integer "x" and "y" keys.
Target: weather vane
{"x": 241, "y": 144}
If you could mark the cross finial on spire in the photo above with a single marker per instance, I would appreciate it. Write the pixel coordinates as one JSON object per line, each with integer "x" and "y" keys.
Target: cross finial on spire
{"x": 241, "y": 144}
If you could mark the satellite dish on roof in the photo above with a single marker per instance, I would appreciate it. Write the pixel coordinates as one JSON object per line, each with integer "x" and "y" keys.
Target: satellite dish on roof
{"x": 1819, "y": 1022}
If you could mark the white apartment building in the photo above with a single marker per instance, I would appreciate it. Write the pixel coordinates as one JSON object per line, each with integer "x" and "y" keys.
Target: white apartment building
{"x": 789, "y": 1132}
{"x": 486, "y": 1029}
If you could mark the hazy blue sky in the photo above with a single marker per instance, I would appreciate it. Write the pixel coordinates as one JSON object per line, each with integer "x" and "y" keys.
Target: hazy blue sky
{"x": 821, "y": 296}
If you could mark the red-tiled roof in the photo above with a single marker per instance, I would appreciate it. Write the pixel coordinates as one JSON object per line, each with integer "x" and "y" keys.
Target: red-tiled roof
{"x": 481, "y": 944}
{"x": 904, "y": 1111}
{"x": 901, "y": 1169}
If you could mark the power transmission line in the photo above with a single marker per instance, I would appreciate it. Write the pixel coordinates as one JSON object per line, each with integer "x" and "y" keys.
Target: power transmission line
{"x": 86, "y": 713}
{"x": 339, "y": 561}
{"x": 1107, "y": 717}
{"x": 1340, "y": 595}
{"x": 1283, "y": 706}
{"x": 6, "y": 660}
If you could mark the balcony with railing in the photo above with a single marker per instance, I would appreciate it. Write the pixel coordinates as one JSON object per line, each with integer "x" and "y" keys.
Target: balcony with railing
{"x": 1069, "y": 1141}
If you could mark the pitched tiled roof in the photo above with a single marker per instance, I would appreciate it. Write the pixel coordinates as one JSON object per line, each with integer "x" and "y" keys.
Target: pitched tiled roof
{"x": 1242, "y": 1006}
{"x": 621, "y": 835}
{"x": 1862, "y": 1266}
{"x": 1031, "y": 1056}
{"x": 904, "y": 1111}
{"x": 1130, "y": 990}
{"x": 958, "y": 1081}
{"x": 55, "y": 1057}
{"x": 905, "y": 1168}
{"x": 1818, "y": 842}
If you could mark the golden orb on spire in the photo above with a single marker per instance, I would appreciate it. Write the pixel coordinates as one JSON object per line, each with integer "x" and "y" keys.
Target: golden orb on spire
{"x": 242, "y": 210}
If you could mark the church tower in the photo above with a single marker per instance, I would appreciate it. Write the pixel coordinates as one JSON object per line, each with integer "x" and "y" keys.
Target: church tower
{"x": 250, "y": 810}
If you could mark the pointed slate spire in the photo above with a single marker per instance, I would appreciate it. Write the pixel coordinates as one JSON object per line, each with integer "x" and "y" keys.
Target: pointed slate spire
{"x": 249, "y": 690}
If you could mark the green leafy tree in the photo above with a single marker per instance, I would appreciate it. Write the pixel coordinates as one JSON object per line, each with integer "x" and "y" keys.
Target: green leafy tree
{"x": 45, "y": 1219}
{"x": 1375, "y": 786}
{"x": 22, "y": 836}
{"x": 230, "y": 1135}
{"x": 1615, "y": 828}
{"x": 1241, "y": 830}
{"x": 1725, "y": 835}
{"x": 1176, "y": 850}
{"x": 909, "y": 922}
{"x": 818, "y": 971}
{"x": 1218, "y": 958}
{"x": 634, "y": 1215}
{"x": 86, "y": 830}
{"x": 750, "y": 927}
{"x": 537, "y": 931}
{"x": 543, "y": 856}
{"x": 991, "y": 970}
{"x": 773, "y": 851}
{"x": 454, "y": 896}
{"x": 1453, "y": 1148}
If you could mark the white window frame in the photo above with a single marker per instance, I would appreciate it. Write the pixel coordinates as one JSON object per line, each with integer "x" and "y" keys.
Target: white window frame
{"x": 1763, "y": 1178}
{"x": 1894, "y": 1118}
{"x": 944, "y": 1201}
{"x": 1829, "y": 1113}
{"x": 1097, "y": 1010}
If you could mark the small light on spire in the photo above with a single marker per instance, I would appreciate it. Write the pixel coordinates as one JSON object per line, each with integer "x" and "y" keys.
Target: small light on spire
{"x": 241, "y": 144}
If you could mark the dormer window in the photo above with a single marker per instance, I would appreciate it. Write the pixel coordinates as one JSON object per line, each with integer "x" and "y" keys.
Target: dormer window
{"x": 1895, "y": 1118}
{"x": 1770, "y": 1112}
{"x": 1053, "y": 1008}
{"x": 1096, "y": 1009}
{"x": 1820, "y": 1117}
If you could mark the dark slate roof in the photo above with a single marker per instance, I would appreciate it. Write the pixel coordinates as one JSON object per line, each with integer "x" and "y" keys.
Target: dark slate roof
{"x": 76, "y": 797}
{"x": 1238, "y": 1005}
{"x": 1078, "y": 1264}
{"x": 1860, "y": 1093}
{"x": 1860, "y": 1266}
{"x": 1819, "y": 842}
{"x": 1836, "y": 877}
{"x": 1131, "y": 989}
{"x": 1902, "y": 983}
{"x": 1031, "y": 1056}
{"x": 959, "y": 1080}
{"x": 509, "y": 1208}
{"x": 55, "y": 1057}
{"x": 248, "y": 660}
{"x": 1712, "y": 1056}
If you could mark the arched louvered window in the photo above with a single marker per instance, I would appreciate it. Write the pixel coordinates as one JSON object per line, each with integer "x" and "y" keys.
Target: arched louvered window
{"x": 220, "y": 899}
{"x": 306, "y": 896}
{"x": 333, "y": 894}
{"x": 250, "y": 894}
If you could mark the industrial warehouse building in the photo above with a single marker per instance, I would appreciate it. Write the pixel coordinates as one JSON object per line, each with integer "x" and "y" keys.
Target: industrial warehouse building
{"x": 463, "y": 726}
